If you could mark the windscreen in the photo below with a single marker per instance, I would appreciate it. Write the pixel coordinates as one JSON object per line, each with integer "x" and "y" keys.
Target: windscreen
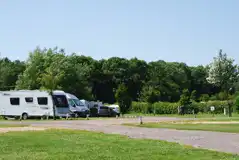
{"x": 60, "y": 101}
{"x": 78, "y": 102}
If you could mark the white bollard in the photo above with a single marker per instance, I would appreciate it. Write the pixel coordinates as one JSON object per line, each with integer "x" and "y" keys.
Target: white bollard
{"x": 140, "y": 120}
{"x": 225, "y": 111}
{"x": 67, "y": 115}
{"x": 87, "y": 116}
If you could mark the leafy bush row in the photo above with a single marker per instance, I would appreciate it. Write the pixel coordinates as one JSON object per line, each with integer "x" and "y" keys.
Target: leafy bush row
{"x": 172, "y": 108}
{"x": 159, "y": 107}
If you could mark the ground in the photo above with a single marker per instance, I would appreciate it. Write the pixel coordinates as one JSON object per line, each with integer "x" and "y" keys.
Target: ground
{"x": 75, "y": 145}
{"x": 218, "y": 127}
{"x": 218, "y": 141}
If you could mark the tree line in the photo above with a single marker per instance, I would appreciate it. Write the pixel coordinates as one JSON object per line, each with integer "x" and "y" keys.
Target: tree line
{"x": 92, "y": 79}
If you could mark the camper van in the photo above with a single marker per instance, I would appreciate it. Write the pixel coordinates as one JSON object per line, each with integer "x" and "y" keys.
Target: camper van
{"x": 77, "y": 108}
{"x": 32, "y": 103}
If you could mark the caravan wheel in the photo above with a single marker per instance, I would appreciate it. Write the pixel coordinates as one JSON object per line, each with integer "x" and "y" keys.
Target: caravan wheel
{"x": 24, "y": 116}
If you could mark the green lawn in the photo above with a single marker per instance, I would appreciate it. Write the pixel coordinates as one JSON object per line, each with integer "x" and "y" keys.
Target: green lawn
{"x": 231, "y": 128}
{"x": 12, "y": 125}
{"x": 75, "y": 145}
{"x": 234, "y": 115}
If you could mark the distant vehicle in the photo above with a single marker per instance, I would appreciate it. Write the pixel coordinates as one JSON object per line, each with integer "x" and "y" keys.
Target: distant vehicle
{"x": 33, "y": 103}
{"x": 115, "y": 109}
{"x": 77, "y": 108}
{"x": 104, "y": 111}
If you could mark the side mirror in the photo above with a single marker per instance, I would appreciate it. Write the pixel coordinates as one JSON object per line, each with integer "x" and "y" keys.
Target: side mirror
{"x": 74, "y": 105}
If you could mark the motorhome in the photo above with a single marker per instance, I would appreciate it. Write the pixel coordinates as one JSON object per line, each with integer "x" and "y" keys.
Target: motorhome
{"x": 77, "y": 108}
{"x": 33, "y": 103}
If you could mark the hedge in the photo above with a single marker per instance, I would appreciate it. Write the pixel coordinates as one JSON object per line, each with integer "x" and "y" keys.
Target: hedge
{"x": 172, "y": 108}
{"x": 160, "y": 107}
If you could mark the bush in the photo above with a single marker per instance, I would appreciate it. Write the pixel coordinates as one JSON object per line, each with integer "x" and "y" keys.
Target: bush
{"x": 123, "y": 98}
{"x": 140, "y": 107}
{"x": 204, "y": 97}
{"x": 237, "y": 104}
{"x": 160, "y": 107}
{"x": 166, "y": 108}
{"x": 204, "y": 107}
{"x": 172, "y": 108}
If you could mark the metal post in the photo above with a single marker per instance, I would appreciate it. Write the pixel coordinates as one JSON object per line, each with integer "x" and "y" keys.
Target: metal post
{"x": 140, "y": 120}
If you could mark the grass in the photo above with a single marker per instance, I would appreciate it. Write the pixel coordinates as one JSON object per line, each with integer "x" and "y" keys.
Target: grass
{"x": 230, "y": 128}
{"x": 12, "y": 125}
{"x": 234, "y": 115}
{"x": 75, "y": 145}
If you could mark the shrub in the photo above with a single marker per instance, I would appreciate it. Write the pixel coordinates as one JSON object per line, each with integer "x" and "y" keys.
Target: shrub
{"x": 172, "y": 108}
{"x": 159, "y": 107}
{"x": 204, "y": 107}
{"x": 140, "y": 107}
{"x": 165, "y": 108}
{"x": 237, "y": 104}
{"x": 185, "y": 98}
{"x": 123, "y": 98}
{"x": 204, "y": 97}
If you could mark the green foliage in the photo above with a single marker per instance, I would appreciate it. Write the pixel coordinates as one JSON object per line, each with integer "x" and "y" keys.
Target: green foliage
{"x": 52, "y": 68}
{"x": 237, "y": 104}
{"x": 185, "y": 98}
{"x": 223, "y": 72}
{"x": 204, "y": 97}
{"x": 160, "y": 108}
{"x": 172, "y": 108}
{"x": 123, "y": 98}
{"x": 222, "y": 96}
{"x": 194, "y": 95}
{"x": 150, "y": 95}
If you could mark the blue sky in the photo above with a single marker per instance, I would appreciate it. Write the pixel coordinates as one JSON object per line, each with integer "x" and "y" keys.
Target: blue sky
{"x": 190, "y": 31}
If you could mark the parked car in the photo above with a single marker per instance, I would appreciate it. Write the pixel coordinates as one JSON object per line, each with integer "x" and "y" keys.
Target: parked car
{"x": 115, "y": 110}
{"x": 104, "y": 111}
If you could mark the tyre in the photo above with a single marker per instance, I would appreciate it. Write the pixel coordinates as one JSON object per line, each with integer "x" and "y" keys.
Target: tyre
{"x": 76, "y": 115}
{"x": 24, "y": 116}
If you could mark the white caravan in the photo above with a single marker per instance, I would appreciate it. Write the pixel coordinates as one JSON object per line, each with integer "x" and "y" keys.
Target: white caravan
{"x": 32, "y": 103}
{"x": 77, "y": 108}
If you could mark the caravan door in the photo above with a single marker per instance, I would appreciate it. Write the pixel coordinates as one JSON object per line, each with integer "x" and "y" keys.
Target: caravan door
{"x": 61, "y": 104}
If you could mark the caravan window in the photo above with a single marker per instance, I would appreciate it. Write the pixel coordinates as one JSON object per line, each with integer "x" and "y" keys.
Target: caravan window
{"x": 60, "y": 101}
{"x": 29, "y": 99}
{"x": 42, "y": 100}
{"x": 15, "y": 101}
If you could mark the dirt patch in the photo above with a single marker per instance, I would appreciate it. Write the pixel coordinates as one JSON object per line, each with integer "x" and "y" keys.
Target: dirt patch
{"x": 11, "y": 129}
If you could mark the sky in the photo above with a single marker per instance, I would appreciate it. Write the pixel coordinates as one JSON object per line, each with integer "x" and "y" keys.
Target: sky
{"x": 190, "y": 31}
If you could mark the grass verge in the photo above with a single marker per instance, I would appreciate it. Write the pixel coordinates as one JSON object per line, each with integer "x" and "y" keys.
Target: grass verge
{"x": 230, "y": 128}
{"x": 12, "y": 125}
{"x": 75, "y": 145}
{"x": 222, "y": 116}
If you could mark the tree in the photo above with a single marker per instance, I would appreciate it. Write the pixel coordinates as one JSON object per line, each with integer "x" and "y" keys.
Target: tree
{"x": 237, "y": 104}
{"x": 123, "y": 98}
{"x": 193, "y": 95}
{"x": 9, "y": 71}
{"x": 185, "y": 97}
{"x": 223, "y": 73}
{"x": 150, "y": 95}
